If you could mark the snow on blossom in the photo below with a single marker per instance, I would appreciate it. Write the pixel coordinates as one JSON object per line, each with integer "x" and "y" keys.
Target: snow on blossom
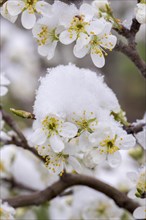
{"x": 3, "y": 83}
{"x": 106, "y": 142}
{"x": 6, "y": 211}
{"x": 139, "y": 180}
{"x": 141, "y": 13}
{"x": 70, "y": 113}
{"x": 99, "y": 40}
{"x": 28, "y": 9}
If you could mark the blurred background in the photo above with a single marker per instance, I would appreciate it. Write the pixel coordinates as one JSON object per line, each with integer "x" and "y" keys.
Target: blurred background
{"x": 23, "y": 65}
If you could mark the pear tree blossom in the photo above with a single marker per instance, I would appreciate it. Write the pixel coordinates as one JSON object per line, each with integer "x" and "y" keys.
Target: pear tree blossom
{"x": 141, "y": 12}
{"x": 6, "y": 211}
{"x": 28, "y": 9}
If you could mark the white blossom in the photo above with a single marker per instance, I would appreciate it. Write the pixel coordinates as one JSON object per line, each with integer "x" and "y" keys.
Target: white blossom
{"x": 99, "y": 40}
{"x": 100, "y": 4}
{"x": 5, "y": 13}
{"x": 107, "y": 140}
{"x": 6, "y": 211}
{"x": 76, "y": 23}
{"x": 141, "y": 136}
{"x": 139, "y": 180}
{"x": 46, "y": 32}
{"x": 28, "y": 9}
{"x": 3, "y": 83}
{"x": 141, "y": 13}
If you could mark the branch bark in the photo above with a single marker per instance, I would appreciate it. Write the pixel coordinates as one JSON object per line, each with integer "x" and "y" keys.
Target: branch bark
{"x": 69, "y": 180}
{"x": 130, "y": 49}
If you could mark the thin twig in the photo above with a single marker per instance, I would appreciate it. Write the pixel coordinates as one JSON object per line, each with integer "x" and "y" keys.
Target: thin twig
{"x": 69, "y": 180}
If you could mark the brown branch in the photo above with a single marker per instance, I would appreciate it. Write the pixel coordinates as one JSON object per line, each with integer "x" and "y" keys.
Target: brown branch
{"x": 130, "y": 49}
{"x": 14, "y": 184}
{"x": 134, "y": 129}
{"x": 69, "y": 180}
{"x": 133, "y": 55}
{"x": 21, "y": 142}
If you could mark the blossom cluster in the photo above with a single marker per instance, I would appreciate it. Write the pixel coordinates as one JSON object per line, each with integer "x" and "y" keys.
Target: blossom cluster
{"x": 86, "y": 26}
{"x": 75, "y": 126}
{"x": 6, "y": 211}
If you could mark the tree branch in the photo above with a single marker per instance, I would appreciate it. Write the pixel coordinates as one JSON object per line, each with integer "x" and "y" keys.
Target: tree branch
{"x": 69, "y": 180}
{"x": 130, "y": 49}
{"x": 22, "y": 142}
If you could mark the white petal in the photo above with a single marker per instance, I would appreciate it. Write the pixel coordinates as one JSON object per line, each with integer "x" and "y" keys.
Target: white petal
{"x": 80, "y": 53}
{"x": 5, "y": 14}
{"x": 94, "y": 157}
{"x": 140, "y": 213}
{"x": 68, "y": 130}
{"x": 51, "y": 50}
{"x": 36, "y": 30}
{"x": 83, "y": 40}
{"x": 67, "y": 37}
{"x": 15, "y": 7}
{"x": 95, "y": 27}
{"x": 115, "y": 159}
{"x": 28, "y": 20}
{"x": 38, "y": 137}
{"x": 43, "y": 50}
{"x": 87, "y": 10}
{"x": 56, "y": 143}
{"x": 3, "y": 90}
{"x": 44, "y": 8}
{"x": 132, "y": 176}
{"x": 98, "y": 60}
{"x": 109, "y": 42}
{"x": 75, "y": 164}
{"x": 126, "y": 141}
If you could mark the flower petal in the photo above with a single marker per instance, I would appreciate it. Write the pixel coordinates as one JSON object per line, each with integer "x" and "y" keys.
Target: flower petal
{"x": 5, "y": 14}
{"x": 44, "y": 8}
{"x": 43, "y": 50}
{"x": 15, "y": 7}
{"x": 81, "y": 52}
{"x": 83, "y": 40}
{"x": 98, "y": 59}
{"x": 115, "y": 159}
{"x": 87, "y": 10}
{"x": 140, "y": 213}
{"x": 109, "y": 42}
{"x": 95, "y": 27}
{"x": 67, "y": 38}
{"x": 56, "y": 143}
{"x": 28, "y": 20}
{"x": 51, "y": 50}
{"x": 75, "y": 164}
{"x": 68, "y": 130}
{"x": 38, "y": 137}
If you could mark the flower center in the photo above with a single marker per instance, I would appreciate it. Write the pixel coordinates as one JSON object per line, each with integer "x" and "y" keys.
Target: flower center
{"x": 85, "y": 124}
{"x": 141, "y": 185}
{"x": 110, "y": 145}
{"x": 45, "y": 34}
{"x": 51, "y": 125}
{"x": 30, "y": 5}
{"x": 78, "y": 25}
